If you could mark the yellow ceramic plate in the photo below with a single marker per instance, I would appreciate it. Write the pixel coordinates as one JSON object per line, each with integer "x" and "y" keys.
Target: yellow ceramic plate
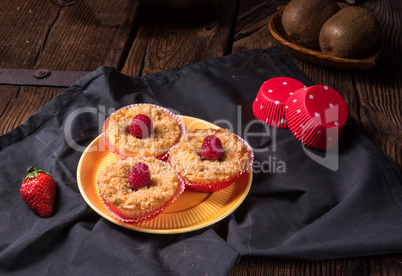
{"x": 191, "y": 211}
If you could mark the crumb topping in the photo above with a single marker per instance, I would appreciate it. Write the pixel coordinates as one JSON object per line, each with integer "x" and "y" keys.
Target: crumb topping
{"x": 114, "y": 186}
{"x": 185, "y": 157}
{"x": 165, "y": 133}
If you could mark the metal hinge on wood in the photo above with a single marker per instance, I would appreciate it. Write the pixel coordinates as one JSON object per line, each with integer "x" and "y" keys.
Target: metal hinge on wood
{"x": 40, "y": 77}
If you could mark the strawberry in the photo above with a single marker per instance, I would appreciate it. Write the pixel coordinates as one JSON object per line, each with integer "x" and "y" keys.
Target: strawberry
{"x": 212, "y": 148}
{"x": 141, "y": 126}
{"x": 139, "y": 176}
{"x": 38, "y": 190}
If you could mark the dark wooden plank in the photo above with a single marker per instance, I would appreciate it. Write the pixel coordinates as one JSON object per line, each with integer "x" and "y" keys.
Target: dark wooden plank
{"x": 173, "y": 34}
{"x": 24, "y": 26}
{"x": 83, "y": 36}
{"x": 7, "y": 93}
{"x": 89, "y": 34}
{"x": 251, "y": 26}
{"x": 22, "y": 103}
{"x": 379, "y": 90}
{"x": 386, "y": 265}
{"x": 276, "y": 266}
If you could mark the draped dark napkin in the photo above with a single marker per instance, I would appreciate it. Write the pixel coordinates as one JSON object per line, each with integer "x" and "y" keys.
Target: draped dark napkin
{"x": 300, "y": 204}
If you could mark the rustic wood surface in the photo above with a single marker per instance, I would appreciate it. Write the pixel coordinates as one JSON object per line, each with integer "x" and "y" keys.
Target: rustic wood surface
{"x": 140, "y": 38}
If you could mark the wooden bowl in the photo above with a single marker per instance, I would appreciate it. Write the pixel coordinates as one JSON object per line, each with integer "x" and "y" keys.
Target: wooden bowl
{"x": 316, "y": 56}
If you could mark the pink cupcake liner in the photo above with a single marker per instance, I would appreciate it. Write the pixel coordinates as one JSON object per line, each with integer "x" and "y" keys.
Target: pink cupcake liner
{"x": 316, "y": 116}
{"x": 219, "y": 185}
{"x": 269, "y": 104}
{"x": 142, "y": 216}
{"x": 162, "y": 157}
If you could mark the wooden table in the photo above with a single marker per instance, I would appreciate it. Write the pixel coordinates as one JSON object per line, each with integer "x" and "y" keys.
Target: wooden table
{"x": 140, "y": 38}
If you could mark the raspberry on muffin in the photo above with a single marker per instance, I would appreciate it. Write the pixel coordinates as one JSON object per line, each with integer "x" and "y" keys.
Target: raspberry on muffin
{"x": 141, "y": 126}
{"x": 138, "y": 188}
{"x": 144, "y": 129}
{"x": 212, "y": 148}
{"x": 210, "y": 159}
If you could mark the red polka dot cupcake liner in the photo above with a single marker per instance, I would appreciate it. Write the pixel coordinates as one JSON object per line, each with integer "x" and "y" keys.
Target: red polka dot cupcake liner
{"x": 121, "y": 155}
{"x": 142, "y": 216}
{"x": 316, "y": 116}
{"x": 269, "y": 105}
{"x": 209, "y": 187}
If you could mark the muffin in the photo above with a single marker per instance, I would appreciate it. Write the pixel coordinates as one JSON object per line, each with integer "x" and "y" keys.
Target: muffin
{"x": 145, "y": 129}
{"x": 209, "y": 160}
{"x": 138, "y": 188}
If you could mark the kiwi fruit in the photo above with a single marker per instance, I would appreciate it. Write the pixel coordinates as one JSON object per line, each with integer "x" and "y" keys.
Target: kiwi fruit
{"x": 302, "y": 20}
{"x": 350, "y": 33}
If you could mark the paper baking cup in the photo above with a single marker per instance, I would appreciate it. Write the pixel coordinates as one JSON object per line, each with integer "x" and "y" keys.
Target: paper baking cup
{"x": 269, "y": 105}
{"x": 316, "y": 115}
{"x": 113, "y": 149}
{"x": 219, "y": 185}
{"x": 142, "y": 216}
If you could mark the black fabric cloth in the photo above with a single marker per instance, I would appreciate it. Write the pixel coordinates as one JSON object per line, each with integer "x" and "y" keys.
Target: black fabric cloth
{"x": 297, "y": 207}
